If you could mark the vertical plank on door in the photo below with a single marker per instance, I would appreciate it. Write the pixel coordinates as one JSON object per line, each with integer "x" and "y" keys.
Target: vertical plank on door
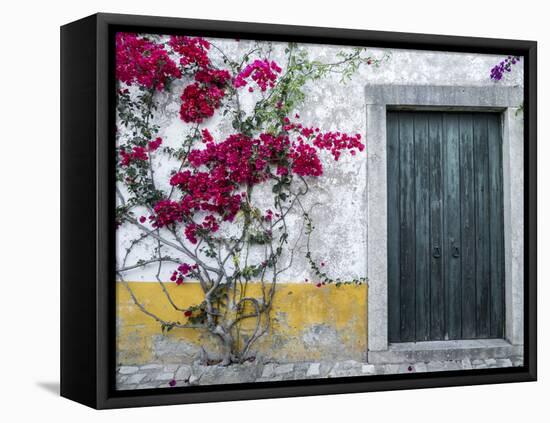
{"x": 394, "y": 298}
{"x": 483, "y": 276}
{"x": 437, "y": 289}
{"x": 407, "y": 219}
{"x": 496, "y": 226}
{"x": 422, "y": 226}
{"x": 451, "y": 252}
{"x": 467, "y": 223}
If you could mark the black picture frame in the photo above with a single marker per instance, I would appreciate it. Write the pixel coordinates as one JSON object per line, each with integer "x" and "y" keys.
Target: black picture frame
{"x": 87, "y": 205}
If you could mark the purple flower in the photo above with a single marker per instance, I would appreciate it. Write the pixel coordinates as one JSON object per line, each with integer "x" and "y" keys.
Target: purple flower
{"x": 497, "y": 72}
{"x": 172, "y": 383}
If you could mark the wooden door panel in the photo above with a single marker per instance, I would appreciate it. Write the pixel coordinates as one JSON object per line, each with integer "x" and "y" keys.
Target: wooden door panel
{"x": 445, "y": 226}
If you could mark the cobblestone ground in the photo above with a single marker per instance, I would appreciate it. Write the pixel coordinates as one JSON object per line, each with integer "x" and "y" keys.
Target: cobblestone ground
{"x": 159, "y": 375}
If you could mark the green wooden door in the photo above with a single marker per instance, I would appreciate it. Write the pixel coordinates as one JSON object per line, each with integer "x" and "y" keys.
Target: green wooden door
{"x": 445, "y": 226}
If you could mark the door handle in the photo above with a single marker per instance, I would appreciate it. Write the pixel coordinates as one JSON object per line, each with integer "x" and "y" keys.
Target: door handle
{"x": 456, "y": 251}
{"x": 436, "y": 252}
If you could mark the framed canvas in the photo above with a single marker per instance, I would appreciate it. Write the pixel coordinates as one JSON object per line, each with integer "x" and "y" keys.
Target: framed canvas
{"x": 257, "y": 211}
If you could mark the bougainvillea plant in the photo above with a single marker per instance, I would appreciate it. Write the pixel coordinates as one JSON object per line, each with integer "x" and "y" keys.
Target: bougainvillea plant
{"x": 505, "y": 66}
{"x": 502, "y": 68}
{"x": 207, "y": 223}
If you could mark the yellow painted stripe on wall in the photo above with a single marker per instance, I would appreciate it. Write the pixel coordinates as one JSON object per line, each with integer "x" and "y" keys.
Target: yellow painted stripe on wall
{"x": 308, "y": 323}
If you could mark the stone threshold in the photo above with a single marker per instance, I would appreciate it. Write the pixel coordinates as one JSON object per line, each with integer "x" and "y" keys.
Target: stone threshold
{"x": 474, "y": 349}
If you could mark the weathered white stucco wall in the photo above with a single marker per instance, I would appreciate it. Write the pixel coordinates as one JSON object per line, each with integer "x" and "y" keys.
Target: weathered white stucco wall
{"x": 341, "y": 218}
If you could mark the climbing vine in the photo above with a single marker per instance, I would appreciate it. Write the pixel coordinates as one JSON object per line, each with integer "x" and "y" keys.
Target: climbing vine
{"x": 206, "y": 225}
{"x": 503, "y": 67}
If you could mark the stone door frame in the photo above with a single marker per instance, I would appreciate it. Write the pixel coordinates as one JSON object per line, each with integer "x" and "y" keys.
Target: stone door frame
{"x": 498, "y": 98}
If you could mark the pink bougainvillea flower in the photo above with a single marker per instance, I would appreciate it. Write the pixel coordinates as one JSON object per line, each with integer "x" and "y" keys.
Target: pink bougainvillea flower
{"x": 191, "y": 233}
{"x": 203, "y": 97}
{"x": 178, "y": 278}
{"x": 305, "y": 160}
{"x": 181, "y": 272}
{"x": 142, "y": 219}
{"x": 215, "y": 181}
{"x": 282, "y": 170}
{"x": 143, "y": 62}
{"x": 172, "y": 383}
{"x": 215, "y": 77}
{"x": 200, "y": 102}
{"x": 193, "y": 51}
{"x": 206, "y": 136}
{"x": 167, "y": 212}
{"x": 154, "y": 145}
{"x": 262, "y": 72}
{"x": 304, "y": 151}
{"x": 184, "y": 268}
{"x": 335, "y": 142}
{"x": 137, "y": 154}
{"x": 210, "y": 223}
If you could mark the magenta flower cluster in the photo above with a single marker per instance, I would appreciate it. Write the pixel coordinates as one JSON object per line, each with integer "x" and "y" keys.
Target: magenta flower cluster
{"x": 143, "y": 62}
{"x": 263, "y": 72}
{"x": 139, "y": 153}
{"x": 199, "y": 102}
{"x": 181, "y": 272}
{"x": 212, "y": 189}
{"x": 201, "y": 99}
{"x": 221, "y": 169}
{"x": 192, "y": 51}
